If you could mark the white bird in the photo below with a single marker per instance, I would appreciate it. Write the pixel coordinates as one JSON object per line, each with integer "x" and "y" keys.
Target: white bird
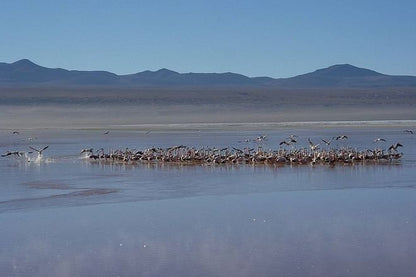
{"x": 312, "y": 145}
{"x": 87, "y": 150}
{"x": 379, "y": 139}
{"x": 261, "y": 138}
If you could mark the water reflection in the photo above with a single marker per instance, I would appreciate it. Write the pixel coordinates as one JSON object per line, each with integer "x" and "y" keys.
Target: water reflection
{"x": 152, "y": 181}
{"x": 289, "y": 234}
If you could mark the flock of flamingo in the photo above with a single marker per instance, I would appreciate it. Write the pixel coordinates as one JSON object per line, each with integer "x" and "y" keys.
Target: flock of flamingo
{"x": 288, "y": 153}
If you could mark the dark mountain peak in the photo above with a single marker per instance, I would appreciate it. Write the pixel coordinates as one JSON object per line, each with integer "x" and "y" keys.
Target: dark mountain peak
{"x": 345, "y": 75}
{"x": 228, "y": 73}
{"x": 24, "y": 64}
{"x": 160, "y": 72}
{"x": 165, "y": 72}
{"x": 343, "y": 65}
{"x": 344, "y": 70}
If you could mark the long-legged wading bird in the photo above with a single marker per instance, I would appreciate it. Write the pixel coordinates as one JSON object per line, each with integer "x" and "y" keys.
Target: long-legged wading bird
{"x": 292, "y": 140}
{"x": 39, "y": 150}
{"x": 395, "y": 146}
{"x": 379, "y": 139}
{"x": 261, "y": 138}
{"x": 16, "y": 153}
{"x": 327, "y": 142}
{"x": 341, "y": 137}
{"x": 285, "y": 142}
{"x": 312, "y": 145}
{"x": 87, "y": 150}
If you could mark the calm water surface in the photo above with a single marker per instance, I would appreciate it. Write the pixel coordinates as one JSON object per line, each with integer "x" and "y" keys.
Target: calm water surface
{"x": 66, "y": 216}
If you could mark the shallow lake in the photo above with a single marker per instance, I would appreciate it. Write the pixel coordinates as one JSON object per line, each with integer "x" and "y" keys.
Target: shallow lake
{"x": 68, "y": 216}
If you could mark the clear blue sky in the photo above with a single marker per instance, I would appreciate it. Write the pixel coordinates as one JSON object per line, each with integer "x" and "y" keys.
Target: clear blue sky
{"x": 255, "y": 38}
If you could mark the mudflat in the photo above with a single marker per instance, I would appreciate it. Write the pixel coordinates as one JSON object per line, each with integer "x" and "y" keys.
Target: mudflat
{"x": 112, "y": 108}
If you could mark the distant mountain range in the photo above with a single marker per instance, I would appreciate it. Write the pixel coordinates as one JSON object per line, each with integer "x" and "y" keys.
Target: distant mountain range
{"x": 26, "y": 73}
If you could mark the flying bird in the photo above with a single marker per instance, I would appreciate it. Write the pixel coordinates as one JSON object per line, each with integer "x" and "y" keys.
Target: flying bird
{"x": 9, "y": 153}
{"x": 395, "y": 146}
{"x": 293, "y": 138}
{"x": 327, "y": 142}
{"x": 238, "y": 150}
{"x": 379, "y": 139}
{"x": 39, "y": 150}
{"x": 312, "y": 145}
{"x": 341, "y": 137}
{"x": 261, "y": 138}
{"x": 409, "y": 131}
{"x": 285, "y": 142}
{"x": 87, "y": 150}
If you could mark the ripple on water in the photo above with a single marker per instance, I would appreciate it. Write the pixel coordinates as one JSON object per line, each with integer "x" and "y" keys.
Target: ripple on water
{"x": 74, "y": 198}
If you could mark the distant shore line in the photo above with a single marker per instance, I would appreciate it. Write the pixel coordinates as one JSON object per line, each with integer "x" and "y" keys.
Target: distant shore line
{"x": 268, "y": 125}
{"x": 234, "y": 126}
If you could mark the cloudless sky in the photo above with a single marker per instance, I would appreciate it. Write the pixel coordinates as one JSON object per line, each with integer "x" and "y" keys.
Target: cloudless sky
{"x": 254, "y": 38}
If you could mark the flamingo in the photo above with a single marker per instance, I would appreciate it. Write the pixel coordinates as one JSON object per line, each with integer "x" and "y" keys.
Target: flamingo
{"x": 39, "y": 151}
{"x": 379, "y": 139}
{"x": 395, "y": 146}
{"x": 341, "y": 137}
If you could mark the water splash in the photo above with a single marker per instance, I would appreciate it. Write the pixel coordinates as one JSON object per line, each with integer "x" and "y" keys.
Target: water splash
{"x": 36, "y": 159}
